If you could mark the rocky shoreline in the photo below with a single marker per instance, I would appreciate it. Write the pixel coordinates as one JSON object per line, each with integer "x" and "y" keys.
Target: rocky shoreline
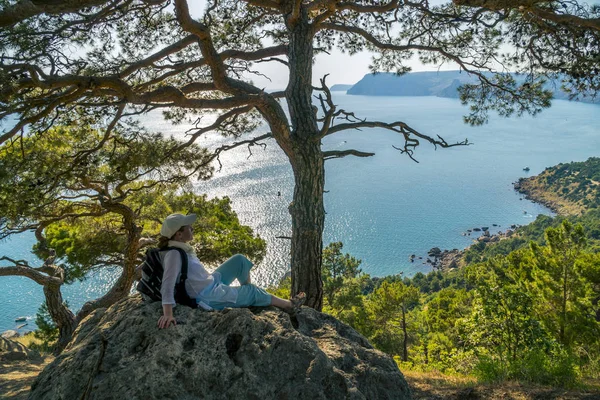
{"x": 530, "y": 191}
{"x": 447, "y": 260}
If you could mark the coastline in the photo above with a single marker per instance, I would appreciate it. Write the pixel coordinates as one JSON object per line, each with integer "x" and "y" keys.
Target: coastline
{"x": 448, "y": 260}
{"x": 534, "y": 191}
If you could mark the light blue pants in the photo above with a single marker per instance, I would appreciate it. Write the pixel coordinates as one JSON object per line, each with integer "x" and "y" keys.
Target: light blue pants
{"x": 238, "y": 267}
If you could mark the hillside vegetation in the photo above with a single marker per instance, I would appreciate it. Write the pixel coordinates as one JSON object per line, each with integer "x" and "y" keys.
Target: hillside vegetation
{"x": 525, "y": 308}
{"x": 568, "y": 189}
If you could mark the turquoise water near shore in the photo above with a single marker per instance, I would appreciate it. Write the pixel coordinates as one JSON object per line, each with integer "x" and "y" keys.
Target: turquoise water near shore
{"x": 384, "y": 207}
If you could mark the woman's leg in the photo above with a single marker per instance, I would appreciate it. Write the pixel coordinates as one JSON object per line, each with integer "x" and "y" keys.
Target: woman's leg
{"x": 251, "y": 295}
{"x": 237, "y": 267}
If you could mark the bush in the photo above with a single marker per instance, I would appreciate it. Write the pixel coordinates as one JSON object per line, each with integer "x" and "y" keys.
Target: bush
{"x": 283, "y": 289}
{"x": 488, "y": 370}
{"x": 47, "y": 331}
{"x": 556, "y": 369}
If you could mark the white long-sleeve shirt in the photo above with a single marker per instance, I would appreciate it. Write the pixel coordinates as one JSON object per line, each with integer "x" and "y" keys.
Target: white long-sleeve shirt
{"x": 199, "y": 282}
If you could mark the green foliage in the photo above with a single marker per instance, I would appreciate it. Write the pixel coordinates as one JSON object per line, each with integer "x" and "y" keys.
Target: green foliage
{"x": 218, "y": 233}
{"x": 74, "y": 181}
{"x": 339, "y": 273}
{"x": 577, "y": 182}
{"x": 535, "y": 314}
{"x": 435, "y": 281}
{"x": 87, "y": 243}
{"x": 566, "y": 294}
{"x": 555, "y": 369}
{"x": 72, "y": 170}
{"x": 535, "y": 231}
{"x": 387, "y": 308}
{"x": 47, "y": 331}
{"x": 494, "y": 320}
{"x": 283, "y": 289}
{"x": 501, "y": 323}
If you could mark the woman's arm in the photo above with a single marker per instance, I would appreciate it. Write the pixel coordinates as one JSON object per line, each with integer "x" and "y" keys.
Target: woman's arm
{"x": 172, "y": 268}
{"x": 167, "y": 319}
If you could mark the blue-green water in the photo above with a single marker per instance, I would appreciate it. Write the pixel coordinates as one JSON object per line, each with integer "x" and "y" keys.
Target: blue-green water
{"x": 385, "y": 207}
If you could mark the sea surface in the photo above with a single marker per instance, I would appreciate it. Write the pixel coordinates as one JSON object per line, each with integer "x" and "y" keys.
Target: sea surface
{"x": 383, "y": 208}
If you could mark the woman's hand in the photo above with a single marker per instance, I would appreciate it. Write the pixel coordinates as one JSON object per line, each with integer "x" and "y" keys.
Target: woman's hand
{"x": 166, "y": 321}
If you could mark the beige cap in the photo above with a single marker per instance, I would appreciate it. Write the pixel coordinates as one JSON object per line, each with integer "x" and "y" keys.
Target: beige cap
{"x": 174, "y": 222}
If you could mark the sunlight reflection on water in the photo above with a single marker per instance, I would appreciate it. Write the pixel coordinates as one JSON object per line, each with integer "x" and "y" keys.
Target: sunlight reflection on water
{"x": 383, "y": 208}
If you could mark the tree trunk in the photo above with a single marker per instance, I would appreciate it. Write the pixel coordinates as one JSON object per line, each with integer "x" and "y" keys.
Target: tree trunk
{"x": 306, "y": 158}
{"x": 308, "y": 218}
{"x": 61, "y": 315}
{"x": 563, "y": 319}
{"x": 405, "y": 341}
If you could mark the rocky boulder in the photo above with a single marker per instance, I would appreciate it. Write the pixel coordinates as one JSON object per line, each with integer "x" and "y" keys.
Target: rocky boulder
{"x": 15, "y": 351}
{"x": 256, "y": 353}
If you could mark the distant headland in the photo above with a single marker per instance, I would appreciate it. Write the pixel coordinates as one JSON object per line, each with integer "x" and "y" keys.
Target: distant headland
{"x": 432, "y": 83}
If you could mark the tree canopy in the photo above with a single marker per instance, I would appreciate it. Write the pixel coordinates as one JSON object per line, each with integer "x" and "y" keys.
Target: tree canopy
{"x": 96, "y": 200}
{"x": 104, "y": 61}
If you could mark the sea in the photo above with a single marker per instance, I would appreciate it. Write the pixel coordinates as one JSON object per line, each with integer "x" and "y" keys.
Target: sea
{"x": 383, "y": 208}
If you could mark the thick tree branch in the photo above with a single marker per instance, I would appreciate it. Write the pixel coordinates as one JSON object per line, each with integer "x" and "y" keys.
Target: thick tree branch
{"x": 532, "y": 7}
{"x": 256, "y": 56}
{"x": 159, "y": 55}
{"x": 273, "y": 5}
{"x": 22, "y": 268}
{"x": 118, "y": 89}
{"x": 25, "y": 9}
{"x": 347, "y": 5}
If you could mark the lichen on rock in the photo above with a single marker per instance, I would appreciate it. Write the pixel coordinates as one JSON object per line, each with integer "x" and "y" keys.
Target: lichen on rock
{"x": 255, "y": 353}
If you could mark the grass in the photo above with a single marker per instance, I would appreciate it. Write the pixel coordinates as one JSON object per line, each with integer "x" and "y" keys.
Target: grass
{"x": 29, "y": 340}
{"x": 438, "y": 386}
{"x": 16, "y": 377}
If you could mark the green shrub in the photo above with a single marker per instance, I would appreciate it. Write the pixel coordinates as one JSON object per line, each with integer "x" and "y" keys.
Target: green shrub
{"x": 557, "y": 368}
{"x": 47, "y": 331}
{"x": 488, "y": 370}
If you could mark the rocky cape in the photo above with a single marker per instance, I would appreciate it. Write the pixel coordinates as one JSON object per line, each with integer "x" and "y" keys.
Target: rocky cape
{"x": 437, "y": 83}
{"x": 248, "y": 353}
{"x": 534, "y": 191}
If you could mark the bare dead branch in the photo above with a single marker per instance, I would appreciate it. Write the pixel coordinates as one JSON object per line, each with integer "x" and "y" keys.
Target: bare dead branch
{"x": 328, "y": 155}
{"x": 409, "y": 134}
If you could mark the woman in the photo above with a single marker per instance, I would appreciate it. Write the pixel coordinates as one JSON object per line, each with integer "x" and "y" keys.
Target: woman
{"x": 209, "y": 289}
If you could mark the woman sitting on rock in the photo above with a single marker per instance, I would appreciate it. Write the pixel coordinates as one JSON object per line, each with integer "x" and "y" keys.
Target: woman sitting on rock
{"x": 208, "y": 289}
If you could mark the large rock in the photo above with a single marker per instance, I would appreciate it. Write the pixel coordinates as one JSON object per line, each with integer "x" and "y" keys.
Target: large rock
{"x": 10, "y": 334}
{"x": 15, "y": 351}
{"x": 258, "y": 353}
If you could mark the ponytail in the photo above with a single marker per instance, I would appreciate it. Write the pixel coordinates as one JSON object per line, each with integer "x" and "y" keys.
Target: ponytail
{"x": 163, "y": 242}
